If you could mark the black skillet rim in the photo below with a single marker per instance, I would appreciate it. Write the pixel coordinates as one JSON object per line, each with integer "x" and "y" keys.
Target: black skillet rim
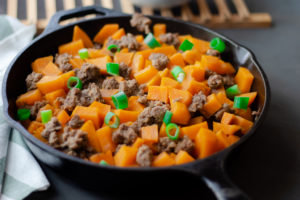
{"x": 224, "y": 153}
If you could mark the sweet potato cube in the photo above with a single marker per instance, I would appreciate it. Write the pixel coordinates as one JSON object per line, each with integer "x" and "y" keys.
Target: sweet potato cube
{"x": 93, "y": 140}
{"x": 206, "y": 143}
{"x": 162, "y": 160}
{"x": 192, "y": 131}
{"x": 222, "y": 140}
{"x": 212, "y": 105}
{"x": 52, "y": 96}
{"x": 146, "y": 74}
{"x": 134, "y": 105}
{"x": 106, "y": 156}
{"x": 183, "y": 157}
{"x": 39, "y": 64}
{"x": 158, "y": 93}
{"x": 181, "y": 96}
{"x": 50, "y": 83}
{"x": 138, "y": 63}
{"x": 126, "y": 156}
{"x": 191, "y": 56}
{"x": 88, "y": 113}
{"x": 181, "y": 114}
{"x": 100, "y": 63}
{"x": 106, "y": 31}
{"x": 29, "y": 98}
{"x": 138, "y": 143}
{"x": 63, "y": 117}
{"x": 159, "y": 29}
{"x": 126, "y": 115}
{"x": 79, "y": 34}
{"x": 245, "y": 124}
{"x": 251, "y": 95}
{"x": 104, "y": 136}
{"x": 226, "y": 128}
{"x": 244, "y": 79}
{"x": 126, "y": 58}
{"x": 71, "y": 48}
{"x": 150, "y": 134}
{"x": 166, "y": 81}
{"x": 196, "y": 120}
{"x": 102, "y": 109}
{"x": 167, "y": 50}
{"x": 176, "y": 59}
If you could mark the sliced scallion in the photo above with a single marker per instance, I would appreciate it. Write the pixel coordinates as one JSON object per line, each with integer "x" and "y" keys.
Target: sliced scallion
{"x": 120, "y": 100}
{"x": 108, "y": 117}
{"x": 169, "y": 128}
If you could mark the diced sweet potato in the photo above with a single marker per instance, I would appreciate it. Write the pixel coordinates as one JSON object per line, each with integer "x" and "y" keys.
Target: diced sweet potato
{"x": 183, "y": 157}
{"x": 192, "y": 131}
{"x": 158, "y": 93}
{"x": 150, "y": 134}
{"x": 181, "y": 114}
{"x": 104, "y": 136}
{"x": 106, "y": 31}
{"x": 79, "y": 34}
{"x": 162, "y": 160}
{"x": 71, "y": 48}
{"x": 126, "y": 156}
{"x": 88, "y": 113}
{"x": 39, "y": 64}
{"x": 244, "y": 79}
{"x": 206, "y": 143}
{"x": 29, "y": 98}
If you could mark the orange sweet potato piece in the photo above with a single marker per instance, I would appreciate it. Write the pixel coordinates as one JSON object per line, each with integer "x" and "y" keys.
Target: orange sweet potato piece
{"x": 97, "y": 53}
{"x": 118, "y": 34}
{"x": 150, "y": 134}
{"x": 159, "y": 29}
{"x": 146, "y": 53}
{"x": 104, "y": 136}
{"x": 192, "y": 131}
{"x": 195, "y": 71}
{"x": 146, "y": 74}
{"x": 164, "y": 73}
{"x": 251, "y": 95}
{"x": 227, "y": 118}
{"x": 126, "y": 156}
{"x": 100, "y": 63}
{"x": 163, "y": 159}
{"x": 51, "y": 97}
{"x": 167, "y": 50}
{"x": 107, "y": 156}
{"x": 212, "y": 105}
{"x": 138, "y": 63}
{"x": 126, "y": 115}
{"x": 226, "y": 128}
{"x": 180, "y": 95}
{"x": 106, "y": 95}
{"x": 200, "y": 45}
{"x": 176, "y": 59}
{"x": 79, "y": 34}
{"x": 183, "y": 157}
{"x": 222, "y": 98}
{"x": 193, "y": 86}
{"x": 206, "y": 143}
{"x": 29, "y": 98}
{"x": 191, "y": 56}
{"x": 166, "y": 81}
{"x": 222, "y": 140}
{"x": 181, "y": 114}
{"x": 88, "y": 113}
{"x": 162, "y": 130}
{"x": 39, "y": 64}
{"x": 102, "y": 109}
{"x": 247, "y": 114}
{"x": 36, "y": 128}
{"x": 215, "y": 64}
{"x": 46, "y": 107}
{"x": 139, "y": 38}
{"x": 106, "y": 31}
{"x": 158, "y": 93}
{"x": 196, "y": 120}
{"x": 138, "y": 142}
{"x": 134, "y": 105}
{"x": 233, "y": 139}
{"x": 50, "y": 83}
{"x": 244, "y": 79}
{"x": 93, "y": 140}
{"x": 123, "y": 57}
{"x": 71, "y": 47}
{"x": 63, "y": 117}
{"x": 155, "y": 81}
{"x": 65, "y": 77}
{"x": 245, "y": 124}
{"x": 76, "y": 62}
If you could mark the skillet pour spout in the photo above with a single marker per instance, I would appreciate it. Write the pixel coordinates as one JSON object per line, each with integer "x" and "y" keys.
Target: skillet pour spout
{"x": 210, "y": 170}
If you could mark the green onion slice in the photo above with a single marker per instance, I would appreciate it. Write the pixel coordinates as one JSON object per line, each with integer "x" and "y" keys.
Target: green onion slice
{"x": 46, "y": 116}
{"x": 108, "y": 118}
{"x": 167, "y": 117}
{"x": 104, "y": 163}
{"x": 120, "y": 100}
{"x": 232, "y": 91}
{"x": 151, "y": 41}
{"x": 186, "y": 45}
{"x": 241, "y": 102}
{"x": 83, "y": 53}
{"x": 74, "y": 82}
{"x": 217, "y": 44}
{"x": 113, "y": 48}
{"x": 178, "y": 73}
{"x": 112, "y": 68}
{"x": 23, "y": 114}
{"x": 170, "y": 127}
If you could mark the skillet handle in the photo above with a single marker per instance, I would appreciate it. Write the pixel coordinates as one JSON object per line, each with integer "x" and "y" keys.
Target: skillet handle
{"x": 77, "y": 12}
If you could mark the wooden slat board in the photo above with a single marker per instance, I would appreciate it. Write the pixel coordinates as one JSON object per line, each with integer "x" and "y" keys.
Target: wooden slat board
{"x": 243, "y": 18}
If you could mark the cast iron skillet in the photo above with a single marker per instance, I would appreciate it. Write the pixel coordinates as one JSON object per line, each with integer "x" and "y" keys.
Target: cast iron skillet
{"x": 211, "y": 170}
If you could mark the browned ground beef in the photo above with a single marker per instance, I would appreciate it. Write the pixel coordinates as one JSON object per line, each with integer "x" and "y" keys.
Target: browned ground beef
{"x": 129, "y": 87}
{"x": 198, "y": 102}
{"x": 184, "y": 144}
{"x": 153, "y": 114}
{"x": 215, "y": 81}
{"x": 91, "y": 94}
{"x": 75, "y": 122}
{"x": 212, "y": 52}
{"x": 124, "y": 135}
{"x": 159, "y": 60}
{"x": 143, "y": 99}
{"x": 141, "y": 22}
{"x": 72, "y": 100}
{"x": 225, "y": 108}
{"x": 62, "y": 60}
{"x": 32, "y": 79}
{"x": 74, "y": 139}
{"x": 34, "y": 110}
{"x": 209, "y": 73}
{"x": 170, "y": 39}
{"x": 97, "y": 46}
{"x": 144, "y": 156}
{"x": 125, "y": 70}
{"x": 165, "y": 144}
{"x": 50, "y": 130}
{"x": 129, "y": 41}
{"x": 110, "y": 83}
{"x": 228, "y": 80}
{"x": 88, "y": 72}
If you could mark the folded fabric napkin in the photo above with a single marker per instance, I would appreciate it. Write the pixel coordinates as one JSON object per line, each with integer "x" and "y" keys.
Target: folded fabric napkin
{"x": 20, "y": 174}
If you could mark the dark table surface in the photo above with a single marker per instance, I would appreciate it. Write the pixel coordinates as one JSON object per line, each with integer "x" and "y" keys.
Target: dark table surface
{"x": 268, "y": 166}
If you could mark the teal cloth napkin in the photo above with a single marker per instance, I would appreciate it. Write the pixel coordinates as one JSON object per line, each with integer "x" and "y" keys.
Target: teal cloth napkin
{"x": 20, "y": 174}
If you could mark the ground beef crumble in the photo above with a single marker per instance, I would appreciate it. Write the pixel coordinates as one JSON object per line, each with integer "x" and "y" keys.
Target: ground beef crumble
{"x": 159, "y": 60}
{"x": 170, "y": 39}
{"x": 184, "y": 144}
{"x": 74, "y": 139}
{"x": 198, "y": 102}
{"x": 125, "y": 70}
{"x": 88, "y": 73}
{"x": 228, "y": 80}
{"x": 141, "y": 22}
{"x": 129, "y": 87}
{"x": 215, "y": 81}
{"x": 32, "y": 79}
{"x": 165, "y": 144}
{"x": 124, "y": 134}
{"x": 62, "y": 60}
{"x": 144, "y": 156}
{"x": 34, "y": 110}
{"x": 225, "y": 108}
{"x": 212, "y": 52}
{"x": 75, "y": 122}
{"x": 110, "y": 83}
{"x": 50, "y": 132}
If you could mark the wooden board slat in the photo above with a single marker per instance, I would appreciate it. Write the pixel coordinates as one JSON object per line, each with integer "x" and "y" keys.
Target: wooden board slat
{"x": 12, "y": 8}
{"x": 205, "y": 14}
{"x": 32, "y": 11}
{"x": 224, "y": 12}
{"x": 107, "y": 3}
{"x": 241, "y": 8}
{"x": 69, "y": 4}
{"x": 147, "y": 10}
{"x": 88, "y": 2}
{"x": 126, "y": 6}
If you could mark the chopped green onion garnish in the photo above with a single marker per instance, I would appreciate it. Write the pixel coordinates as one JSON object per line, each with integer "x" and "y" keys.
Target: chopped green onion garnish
{"x": 83, "y": 53}
{"x": 241, "y": 102}
{"x": 186, "y": 45}
{"x": 112, "y": 68}
{"x": 74, "y": 82}
{"x": 170, "y": 127}
{"x": 46, "y": 116}
{"x": 232, "y": 91}
{"x": 151, "y": 41}
{"x": 23, "y": 114}
{"x": 217, "y": 44}
{"x": 120, "y": 100}
{"x": 113, "y": 48}
{"x": 103, "y": 162}
{"x": 178, "y": 73}
{"x": 108, "y": 118}
{"x": 167, "y": 117}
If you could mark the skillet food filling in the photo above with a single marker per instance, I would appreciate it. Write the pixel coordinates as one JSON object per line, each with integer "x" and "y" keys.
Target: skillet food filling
{"x": 154, "y": 99}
